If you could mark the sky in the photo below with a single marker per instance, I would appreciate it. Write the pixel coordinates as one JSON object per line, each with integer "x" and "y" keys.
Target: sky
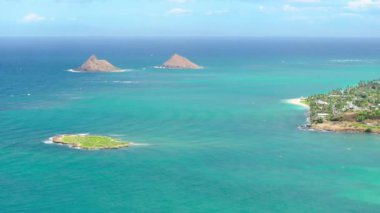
{"x": 256, "y": 18}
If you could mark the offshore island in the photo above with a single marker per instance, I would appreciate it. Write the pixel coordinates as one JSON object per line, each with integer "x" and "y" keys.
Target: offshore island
{"x": 89, "y": 142}
{"x": 93, "y": 64}
{"x": 179, "y": 62}
{"x": 354, "y": 109}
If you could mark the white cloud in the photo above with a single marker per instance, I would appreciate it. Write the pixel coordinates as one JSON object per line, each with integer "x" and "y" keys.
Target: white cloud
{"x": 32, "y": 17}
{"x": 289, "y": 8}
{"x": 179, "y": 11}
{"x": 363, "y": 4}
{"x": 261, "y": 8}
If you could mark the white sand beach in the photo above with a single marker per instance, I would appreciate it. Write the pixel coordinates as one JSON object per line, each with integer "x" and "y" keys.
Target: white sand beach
{"x": 297, "y": 101}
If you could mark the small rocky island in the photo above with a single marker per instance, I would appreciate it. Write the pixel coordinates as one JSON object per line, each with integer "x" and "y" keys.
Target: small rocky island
{"x": 89, "y": 142}
{"x": 179, "y": 62}
{"x": 354, "y": 109}
{"x": 93, "y": 64}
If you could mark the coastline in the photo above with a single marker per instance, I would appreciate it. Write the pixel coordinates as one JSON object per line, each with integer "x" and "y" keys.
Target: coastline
{"x": 329, "y": 126}
{"x": 177, "y": 68}
{"x": 297, "y": 102}
{"x": 346, "y": 127}
{"x": 84, "y": 71}
{"x": 58, "y": 139}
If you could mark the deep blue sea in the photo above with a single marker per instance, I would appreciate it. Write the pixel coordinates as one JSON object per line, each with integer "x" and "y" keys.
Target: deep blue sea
{"x": 220, "y": 139}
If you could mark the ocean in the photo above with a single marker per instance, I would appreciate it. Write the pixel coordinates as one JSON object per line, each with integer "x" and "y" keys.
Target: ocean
{"x": 221, "y": 139}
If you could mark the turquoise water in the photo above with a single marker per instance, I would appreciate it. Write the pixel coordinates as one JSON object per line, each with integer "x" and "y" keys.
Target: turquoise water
{"x": 214, "y": 140}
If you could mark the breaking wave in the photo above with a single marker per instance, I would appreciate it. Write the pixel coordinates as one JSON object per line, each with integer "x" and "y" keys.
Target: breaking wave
{"x": 49, "y": 141}
{"x": 72, "y": 70}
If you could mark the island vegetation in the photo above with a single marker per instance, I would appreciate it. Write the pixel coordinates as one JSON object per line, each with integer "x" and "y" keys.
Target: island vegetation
{"x": 90, "y": 142}
{"x": 354, "y": 109}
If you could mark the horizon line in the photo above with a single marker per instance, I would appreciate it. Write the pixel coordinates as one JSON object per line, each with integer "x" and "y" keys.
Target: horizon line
{"x": 187, "y": 36}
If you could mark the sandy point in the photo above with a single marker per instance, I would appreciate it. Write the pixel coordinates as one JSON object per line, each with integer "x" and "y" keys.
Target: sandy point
{"x": 297, "y": 102}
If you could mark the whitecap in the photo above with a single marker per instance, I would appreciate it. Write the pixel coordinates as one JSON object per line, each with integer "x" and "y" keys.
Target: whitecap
{"x": 306, "y": 128}
{"x": 125, "y": 82}
{"x": 72, "y": 70}
{"x": 125, "y": 70}
{"x": 49, "y": 141}
{"x": 78, "y": 148}
{"x": 346, "y": 61}
{"x": 121, "y": 82}
{"x": 159, "y": 67}
{"x": 139, "y": 144}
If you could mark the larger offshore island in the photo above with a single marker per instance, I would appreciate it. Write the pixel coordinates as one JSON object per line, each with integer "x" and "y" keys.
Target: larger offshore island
{"x": 354, "y": 109}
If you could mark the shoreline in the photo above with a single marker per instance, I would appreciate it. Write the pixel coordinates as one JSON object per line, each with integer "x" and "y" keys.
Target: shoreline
{"x": 58, "y": 139}
{"x": 297, "y": 102}
{"x": 313, "y": 129}
{"x": 177, "y": 68}
{"x": 84, "y": 71}
{"x": 324, "y": 129}
{"x": 345, "y": 127}
{"x": 337, "y": 127}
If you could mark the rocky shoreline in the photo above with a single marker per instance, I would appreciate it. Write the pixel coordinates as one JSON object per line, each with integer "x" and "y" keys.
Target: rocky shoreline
{"x": 349, "y": 127}
{"x": 333, "y": 126}
{"x": 58, "y": 140}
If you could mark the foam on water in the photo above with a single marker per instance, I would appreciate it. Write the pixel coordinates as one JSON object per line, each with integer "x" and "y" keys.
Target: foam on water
{"x": 159, "y": 67}
{"x": 125, "y": 82}
{"x": 126, "y": 70}
{"x": 349, "y": 61}
{"x": 139, "y": 144}
{"x": 72, "y": 70}
{"x": 118, "y": 71}
{"x": 49, "y": 141}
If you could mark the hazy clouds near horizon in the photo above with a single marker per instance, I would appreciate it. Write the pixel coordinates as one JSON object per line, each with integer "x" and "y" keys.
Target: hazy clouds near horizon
{"x": 349, "y": 18}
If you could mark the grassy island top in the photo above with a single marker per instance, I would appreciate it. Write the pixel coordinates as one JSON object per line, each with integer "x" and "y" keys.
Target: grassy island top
{"x": 355, "y": 108}
{"x": 90, "y": 142}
